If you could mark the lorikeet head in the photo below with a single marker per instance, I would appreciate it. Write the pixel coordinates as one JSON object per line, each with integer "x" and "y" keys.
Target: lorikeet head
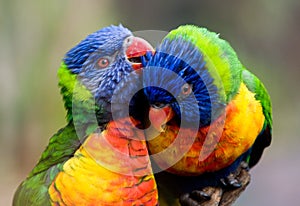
{"x": 191, "y": 77}
{"x": 92, "y": 70}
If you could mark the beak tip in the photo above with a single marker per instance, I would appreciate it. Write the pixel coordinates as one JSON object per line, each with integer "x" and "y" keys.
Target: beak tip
{"x": 138, "y": 48}
{"x": 160, "y": 116}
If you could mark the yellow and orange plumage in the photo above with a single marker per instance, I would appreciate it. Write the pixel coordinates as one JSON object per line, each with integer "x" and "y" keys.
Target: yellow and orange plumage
{"x": 110, "y": 168}
{"x": 208, "y": 113}
{"x": 238, "y": 128}
{"x": 99, "y": 157}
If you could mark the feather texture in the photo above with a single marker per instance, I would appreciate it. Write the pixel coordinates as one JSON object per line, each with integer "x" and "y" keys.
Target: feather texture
{"x": 92, "y": 161}
{"x": 226, "y": 119}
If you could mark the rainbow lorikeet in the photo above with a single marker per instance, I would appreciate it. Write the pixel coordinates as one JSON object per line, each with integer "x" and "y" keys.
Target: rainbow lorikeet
{"x": 209, "y": 114}
{"x": 91, "y": 161}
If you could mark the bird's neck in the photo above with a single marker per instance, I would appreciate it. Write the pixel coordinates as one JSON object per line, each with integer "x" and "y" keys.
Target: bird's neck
{"x": 78, "y": 100}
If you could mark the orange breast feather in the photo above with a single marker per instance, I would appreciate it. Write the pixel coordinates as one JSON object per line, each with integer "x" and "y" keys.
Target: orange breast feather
{"x": 187, "y": 152}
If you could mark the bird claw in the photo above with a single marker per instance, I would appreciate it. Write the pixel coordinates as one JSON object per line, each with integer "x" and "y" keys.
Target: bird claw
{"x": 232, "y": 181}
{"x": 195, "y": 198}
{"x": 245, "y": 166}
{"x": 201, "y": 196}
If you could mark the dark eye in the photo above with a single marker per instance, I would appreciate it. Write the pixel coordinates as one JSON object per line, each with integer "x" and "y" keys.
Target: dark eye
{"x": 103, "y": 62}
{"x": 186, "y": 89}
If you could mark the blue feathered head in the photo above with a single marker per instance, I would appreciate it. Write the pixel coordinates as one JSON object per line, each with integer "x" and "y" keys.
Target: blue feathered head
{"x": 100, "y": 63}
{"x": 176, "y": 76}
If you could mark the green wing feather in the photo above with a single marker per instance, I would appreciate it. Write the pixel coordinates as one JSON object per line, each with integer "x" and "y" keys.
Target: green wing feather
{"x": 261, "y": 94}
{"x": 34, "y": 190}
{"x": 62, "y": 145}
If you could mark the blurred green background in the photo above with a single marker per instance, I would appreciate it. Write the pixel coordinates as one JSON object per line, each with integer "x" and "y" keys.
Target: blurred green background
{"x": 34, "y": 35}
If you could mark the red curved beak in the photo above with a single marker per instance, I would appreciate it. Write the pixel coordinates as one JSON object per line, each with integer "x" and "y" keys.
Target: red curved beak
{"x": 160, "y": 116}
{"x": 138, "y": 48}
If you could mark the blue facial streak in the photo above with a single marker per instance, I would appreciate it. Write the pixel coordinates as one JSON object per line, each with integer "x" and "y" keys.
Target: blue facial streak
{"x": 186, "y": 61}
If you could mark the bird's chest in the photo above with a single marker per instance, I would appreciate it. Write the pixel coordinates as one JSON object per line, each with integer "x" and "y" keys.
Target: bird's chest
{"x": 188, "y": 152}
{"x": 111, "y": 167}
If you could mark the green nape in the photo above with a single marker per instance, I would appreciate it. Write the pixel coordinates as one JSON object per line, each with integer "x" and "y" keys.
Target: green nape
{"x": 73, "y": 92}
{"x": 221, "y": 60}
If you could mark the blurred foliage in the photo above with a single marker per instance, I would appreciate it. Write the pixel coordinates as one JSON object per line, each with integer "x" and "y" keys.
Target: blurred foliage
{"x": 34, "y": 35}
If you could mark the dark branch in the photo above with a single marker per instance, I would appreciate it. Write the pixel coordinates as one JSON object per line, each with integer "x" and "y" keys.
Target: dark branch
{"x": 223, "y": 197}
